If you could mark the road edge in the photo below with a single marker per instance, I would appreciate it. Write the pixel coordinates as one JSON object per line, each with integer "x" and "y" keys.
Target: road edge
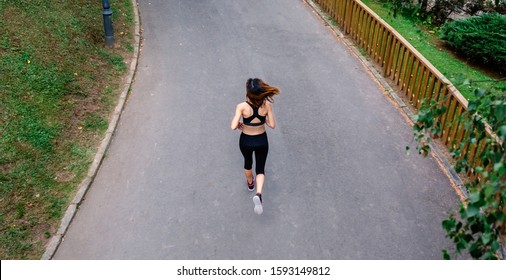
{"x": 100, "y": 154}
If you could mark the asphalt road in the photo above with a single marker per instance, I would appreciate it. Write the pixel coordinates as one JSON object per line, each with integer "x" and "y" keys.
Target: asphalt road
{"x": 339, "y": 184}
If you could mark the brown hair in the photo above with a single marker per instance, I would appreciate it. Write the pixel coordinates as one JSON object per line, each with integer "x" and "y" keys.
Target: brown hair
{"x": 258, "y": 91}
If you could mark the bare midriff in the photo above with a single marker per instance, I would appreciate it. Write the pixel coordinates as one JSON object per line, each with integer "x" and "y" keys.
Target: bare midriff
{"x": 253, "y": 130}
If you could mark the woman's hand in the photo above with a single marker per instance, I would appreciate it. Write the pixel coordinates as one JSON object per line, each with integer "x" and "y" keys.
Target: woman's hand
{"x": 240, "y": 126}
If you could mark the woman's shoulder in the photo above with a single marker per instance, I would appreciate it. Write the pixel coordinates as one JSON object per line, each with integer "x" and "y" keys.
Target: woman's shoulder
{"x": 267, "y": 104}
{"x": 242, "y": 104}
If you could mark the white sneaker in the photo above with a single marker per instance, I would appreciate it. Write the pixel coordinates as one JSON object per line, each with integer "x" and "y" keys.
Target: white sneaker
{"x": 258, "y": 205}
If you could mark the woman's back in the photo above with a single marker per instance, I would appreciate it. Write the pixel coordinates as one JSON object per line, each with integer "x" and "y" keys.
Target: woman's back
{"x": 254, "y": 118}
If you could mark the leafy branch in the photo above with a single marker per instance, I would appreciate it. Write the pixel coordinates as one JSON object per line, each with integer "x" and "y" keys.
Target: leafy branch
{"x": 481, "y": 221}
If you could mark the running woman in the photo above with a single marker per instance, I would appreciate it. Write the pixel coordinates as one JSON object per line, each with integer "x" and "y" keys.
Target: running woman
{"x": 255, "y": 112}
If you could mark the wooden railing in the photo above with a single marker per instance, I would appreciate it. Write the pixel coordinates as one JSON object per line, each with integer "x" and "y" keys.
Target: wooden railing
{"x": 409, "y": 71}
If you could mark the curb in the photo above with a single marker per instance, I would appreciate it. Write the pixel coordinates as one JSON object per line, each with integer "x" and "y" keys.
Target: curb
{"x": 435, "y": 151}
{"x": 99, "y": 156}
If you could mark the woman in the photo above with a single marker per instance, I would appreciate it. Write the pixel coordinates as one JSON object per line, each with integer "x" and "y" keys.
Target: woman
{"x": 255, "y": 112}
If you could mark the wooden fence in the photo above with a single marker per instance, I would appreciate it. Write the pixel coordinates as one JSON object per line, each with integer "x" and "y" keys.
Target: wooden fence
{"x": 413, "y": 75}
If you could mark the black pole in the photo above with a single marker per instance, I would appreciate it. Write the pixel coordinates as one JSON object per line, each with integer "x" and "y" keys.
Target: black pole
{"x": 109, "y": 33}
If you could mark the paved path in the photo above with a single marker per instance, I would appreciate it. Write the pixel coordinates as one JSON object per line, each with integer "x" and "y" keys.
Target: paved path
{"x": 339, "y": 184}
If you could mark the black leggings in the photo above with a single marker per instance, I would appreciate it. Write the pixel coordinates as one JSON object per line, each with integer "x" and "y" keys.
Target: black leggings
{"x": 254, "y": 143}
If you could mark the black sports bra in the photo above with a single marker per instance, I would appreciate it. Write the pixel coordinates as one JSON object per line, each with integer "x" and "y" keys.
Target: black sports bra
{"x": 247, "y": 121}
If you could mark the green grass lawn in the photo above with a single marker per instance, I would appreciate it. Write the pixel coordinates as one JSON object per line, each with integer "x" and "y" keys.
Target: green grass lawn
{"x": 428, "y": 44}
{"x": 58, "y": 85}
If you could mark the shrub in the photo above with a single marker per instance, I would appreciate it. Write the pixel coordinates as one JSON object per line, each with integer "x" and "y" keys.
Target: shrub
{"x": 479, "y": 39}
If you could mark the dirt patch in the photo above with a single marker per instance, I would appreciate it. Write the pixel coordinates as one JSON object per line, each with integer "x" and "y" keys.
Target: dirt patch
{"x": 64, "y": 176}
{"x": 4, "y": 168}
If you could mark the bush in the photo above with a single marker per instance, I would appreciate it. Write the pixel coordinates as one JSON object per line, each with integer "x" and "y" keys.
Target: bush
{"x": 479, "y": 39}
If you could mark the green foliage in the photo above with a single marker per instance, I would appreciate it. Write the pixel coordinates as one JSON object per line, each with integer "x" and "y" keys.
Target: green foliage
{"x": 33, "y": 88}
{"x": 54, "y": 69}
{"x": 481, "y": 222}
{"x": 426, "y": 125}
{"x": 481, "y": 39}
{"x": 116, "y": 60}
{"x": 129, "y": 47}
{"x": 96, "y": 123}
{"x": 428, "y": 44}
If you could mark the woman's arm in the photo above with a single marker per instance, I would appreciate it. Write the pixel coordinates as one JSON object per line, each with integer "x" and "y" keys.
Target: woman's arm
{"x": 270, "y": 119}
{"x": 235, "y": 121}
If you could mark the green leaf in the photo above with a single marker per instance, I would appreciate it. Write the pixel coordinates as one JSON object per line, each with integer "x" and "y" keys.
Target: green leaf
{"x": 500, "y": 112}
{"x": 495, "y": 245}
{"x": 472, "y": 210}
{"x": 458, "y": 168}
{"x": 475, "y": 251}
{"x": 488, "y": 191}
{"x": 502, "y": 132}
{"x": 489, "y": 256}
{"x": 479, "y": 92}
{"x": 468, "y": 238}
{"x": 461, "y": 245}
{"x": 449, "y": 224}
{"x": 499, "y": 168}
{"x": 472, "y": 106}
{"x": 446, "y": 256}
{"x": 485, "y": 238}
{"x": 501, "y": 217}
{"x": 417, "y": 128}
{"x": 474, "y": 197}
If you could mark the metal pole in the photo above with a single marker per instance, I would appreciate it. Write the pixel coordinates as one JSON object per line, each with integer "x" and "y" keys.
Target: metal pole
{"x": 109, "y": 33}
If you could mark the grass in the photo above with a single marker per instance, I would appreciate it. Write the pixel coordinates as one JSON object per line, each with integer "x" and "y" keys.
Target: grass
{"x": 427, "y": 43}
{"x": 58, "y": 86}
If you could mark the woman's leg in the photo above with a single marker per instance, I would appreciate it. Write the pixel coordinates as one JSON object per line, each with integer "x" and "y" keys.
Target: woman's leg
{"x": 260, "y": 159}
{"x": 260, "y": 182}
{"x": 249, "y": 175}
{"x": 247, "y": 153}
